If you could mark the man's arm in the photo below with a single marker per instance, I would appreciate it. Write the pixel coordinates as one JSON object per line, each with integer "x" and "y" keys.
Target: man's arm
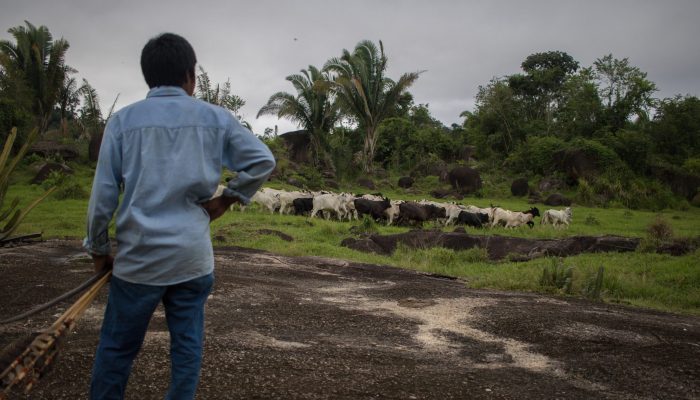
{"x": 104, "y": 197}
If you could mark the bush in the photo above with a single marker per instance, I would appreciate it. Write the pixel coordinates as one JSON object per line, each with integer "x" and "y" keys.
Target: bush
{"x": 71, "y": 189}
{"x": 557, "y": 277}
{"x": 594, "y": 287}
{"x": 692, "y": 166}
{"x": 536, "y": 155}
{"x": 474, "y": 255}
{"x": 659, "y": 232}
{"x": 55, "y": 179}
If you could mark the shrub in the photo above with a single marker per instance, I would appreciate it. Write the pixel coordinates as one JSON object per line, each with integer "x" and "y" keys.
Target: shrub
{"x": 55, "y": 179}
{"x": 593, "y": 288}
{"x": 474, "y": 255}
{"x": 71, "y": 189}
{"x": 536, "y": 155}
{"x": 660, "y": 230}
{"x": 557, "y": 277}
{"x": 591, "y": 220}
{"x": 366, "y": 226}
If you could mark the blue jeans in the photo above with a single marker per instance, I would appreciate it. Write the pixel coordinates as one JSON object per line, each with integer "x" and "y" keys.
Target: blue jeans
{"x": 129, "y": 310}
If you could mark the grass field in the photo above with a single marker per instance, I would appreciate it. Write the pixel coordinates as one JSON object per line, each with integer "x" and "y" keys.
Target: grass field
{"x": 640, "y": 279}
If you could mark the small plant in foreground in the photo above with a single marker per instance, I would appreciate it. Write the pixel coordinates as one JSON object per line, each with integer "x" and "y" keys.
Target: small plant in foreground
{"x": 658, "y": 232}
{"x": 594, "y": 287}
{"x": 366, "y": 226}
{"x": 557, "y": 276}
{"x": 591, "y": 220}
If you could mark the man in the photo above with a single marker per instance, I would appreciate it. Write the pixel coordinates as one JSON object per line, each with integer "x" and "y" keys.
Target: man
{"x": 165, "y": 153}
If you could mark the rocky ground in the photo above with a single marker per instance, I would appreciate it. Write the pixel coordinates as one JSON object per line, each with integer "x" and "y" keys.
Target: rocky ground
{"x": 315, "y": 328}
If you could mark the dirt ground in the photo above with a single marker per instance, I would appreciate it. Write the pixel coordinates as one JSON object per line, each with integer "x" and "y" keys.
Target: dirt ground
{"x": 314, "y": 328}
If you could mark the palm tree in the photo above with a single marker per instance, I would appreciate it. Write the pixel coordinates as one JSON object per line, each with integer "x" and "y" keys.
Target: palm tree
{"x": 365, "y": 92}
{"x": 91, "y": 120}
{"x": 41, "y": 63}
{"x": 312, "y": 108}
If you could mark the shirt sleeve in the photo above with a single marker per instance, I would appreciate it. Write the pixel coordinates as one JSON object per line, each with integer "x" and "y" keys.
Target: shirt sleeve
{"x": 104, "y": 197}
{"x": 250, "y": 158}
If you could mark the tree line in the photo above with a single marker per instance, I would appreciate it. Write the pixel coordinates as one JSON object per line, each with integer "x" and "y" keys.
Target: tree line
{"x": 359, "y": 119}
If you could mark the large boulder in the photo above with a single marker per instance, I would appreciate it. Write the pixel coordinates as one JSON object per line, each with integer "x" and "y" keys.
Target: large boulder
{"x": 520, "y": 187}
{"x": 681, "y": 183}
{"x": 47, "y": 149}
{"x": 467, "y": 153}
{"x": 465, "y": 179}
{"x": 406, "y": 182}
{"x": 366, "y": 183}
{"x": 557, "y": 200}
{"x": 298, "y": 145}
{"x": 696, "y": 200}
{"x": 576, "y": 164}
{"x": 549, "y": 184}
{"x": 47, "y": 169}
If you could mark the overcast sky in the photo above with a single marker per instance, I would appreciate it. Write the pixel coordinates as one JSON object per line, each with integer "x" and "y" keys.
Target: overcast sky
{"x": 459, "y": 44}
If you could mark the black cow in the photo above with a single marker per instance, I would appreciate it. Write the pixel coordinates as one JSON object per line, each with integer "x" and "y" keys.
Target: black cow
{"x": 477, "y": 220}
{"x": 303, "y": 206}
{"x": 434, "y": 212}
{"x": 411, "y": 212}
{"x": 371, "y": 207}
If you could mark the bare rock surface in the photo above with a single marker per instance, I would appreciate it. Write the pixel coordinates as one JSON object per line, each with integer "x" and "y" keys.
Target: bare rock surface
{"x": 498, "y": 247}
{"x": 318, "y": 328}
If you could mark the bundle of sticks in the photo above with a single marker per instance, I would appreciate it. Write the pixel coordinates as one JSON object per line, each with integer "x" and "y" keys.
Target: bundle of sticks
{"x": 29, "y": 358}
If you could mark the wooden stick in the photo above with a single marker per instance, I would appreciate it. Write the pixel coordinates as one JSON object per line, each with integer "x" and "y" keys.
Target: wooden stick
{"x": 45, "y": 343}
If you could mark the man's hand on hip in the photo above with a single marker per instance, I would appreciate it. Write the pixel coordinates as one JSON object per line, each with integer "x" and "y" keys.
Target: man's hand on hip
{"x": 105, "y": 262}
{"x": 217, "y": 206}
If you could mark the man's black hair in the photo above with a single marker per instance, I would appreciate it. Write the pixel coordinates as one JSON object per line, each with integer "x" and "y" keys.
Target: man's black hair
{"x": 167, "y": 60}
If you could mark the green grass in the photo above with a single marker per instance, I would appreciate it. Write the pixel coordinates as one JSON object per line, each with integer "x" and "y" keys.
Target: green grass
{"x": 640, "y": 279}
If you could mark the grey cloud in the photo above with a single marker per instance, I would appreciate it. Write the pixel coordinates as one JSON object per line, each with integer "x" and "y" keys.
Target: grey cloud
{"x": 460, "y": 44}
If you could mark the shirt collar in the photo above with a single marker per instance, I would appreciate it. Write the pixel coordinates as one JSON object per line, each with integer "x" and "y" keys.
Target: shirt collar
{"x": 160, "y": 91}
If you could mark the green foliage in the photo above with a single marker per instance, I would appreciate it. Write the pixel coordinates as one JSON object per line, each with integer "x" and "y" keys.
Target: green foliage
{"x": 221, "y": 94}
{"x": 556, "y": 276}
{"x": 594, "y": 286}
{"x": 675, "y": 130}
{"x": 54, "y": 179}
{"x": 12, "y": 216}
{"x": 313, "y": 108}
{"x": 39, "y": 61}
{"x": 591, "y": 220}
{"x": 625, "y": 91}
{"x": 692, "y": 166}
{"x": 365, "y": 92}
{"x": 366, "y": 226}
{"x": 536, "y": 155}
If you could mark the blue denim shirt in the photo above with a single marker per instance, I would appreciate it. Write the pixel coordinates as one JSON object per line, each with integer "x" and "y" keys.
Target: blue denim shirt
{"x": 166, "y": 152}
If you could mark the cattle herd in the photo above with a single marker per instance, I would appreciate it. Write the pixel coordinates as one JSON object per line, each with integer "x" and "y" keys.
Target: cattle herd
{"x": 346, "y": 206}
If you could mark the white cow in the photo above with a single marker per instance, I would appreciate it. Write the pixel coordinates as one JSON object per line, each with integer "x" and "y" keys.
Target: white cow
{"x": 557, "y": 217}
{"x": 341, "y": 204}
{"x": 266, "y": 198}
{"x": 512, "y": 219}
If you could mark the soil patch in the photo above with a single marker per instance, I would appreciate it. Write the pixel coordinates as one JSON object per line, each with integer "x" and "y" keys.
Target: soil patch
{"x": 317, "y": 328}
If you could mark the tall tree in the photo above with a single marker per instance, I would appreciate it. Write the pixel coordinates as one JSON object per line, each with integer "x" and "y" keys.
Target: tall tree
{"x": 542, "y": 84}
{"x": 365, "y": 92}
{"x": 312, "y": 108}
{"x": 41, "y": 63}
{"x": 624, "y": 89}
{"x": 580, "y": 109}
